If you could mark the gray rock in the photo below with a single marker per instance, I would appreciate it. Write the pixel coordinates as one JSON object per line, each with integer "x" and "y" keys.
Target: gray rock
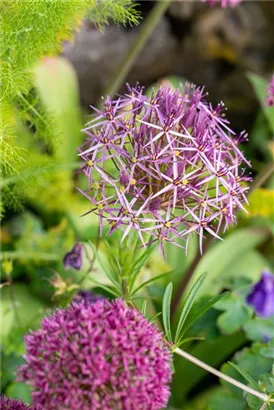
{"x": 183, "y": 9}
{"x": 95, "y": 55}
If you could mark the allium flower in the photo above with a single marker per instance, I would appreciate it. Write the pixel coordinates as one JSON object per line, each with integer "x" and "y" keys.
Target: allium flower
{"x": 148, "y": 158}
{"x": 261, "y": 298}
{"x": 74, "y": 258}
{"x": 223, "y": 3}
{"x": 270, "y": 93}
{"x": 100, "y": 355}
{"x": 6, "y": 403}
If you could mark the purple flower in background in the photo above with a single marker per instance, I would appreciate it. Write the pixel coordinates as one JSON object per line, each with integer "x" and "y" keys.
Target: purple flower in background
{"x": 261, "y": 298}
{"x": 7, "y": 403}
{"x": 74, "y": 258}
{"x": 99, "y": 355}
{"x": 87, "y": 296}
{"x": 223, "y": 3}
{"x": 270, "y": 93}
{"x": 146, "y": 158}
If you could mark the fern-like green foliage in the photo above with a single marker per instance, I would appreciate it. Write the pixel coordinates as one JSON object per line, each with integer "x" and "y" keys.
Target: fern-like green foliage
{"x": 31, "y": 30}
{"x": 118, "y": 11}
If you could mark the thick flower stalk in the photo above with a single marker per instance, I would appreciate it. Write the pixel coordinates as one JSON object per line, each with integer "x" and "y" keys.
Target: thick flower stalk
{"x": 270, "y": 93}
{"x": 166, "y": 166}
{"x": 98, "y": 355}
{"x": 223, "y": 3}
{"x": 7, "y": 403}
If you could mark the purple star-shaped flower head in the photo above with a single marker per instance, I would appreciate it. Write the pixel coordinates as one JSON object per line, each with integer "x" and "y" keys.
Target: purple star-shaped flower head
{"x": 270, "y": 93}
{"x": 165, "y": 166}
{"x": 223, "y": 3}
{"x": 7, "y": 403}
{"x": 74, "y": 258}
{"x": 101, "y": 355}
{"x": 261, "y": 297}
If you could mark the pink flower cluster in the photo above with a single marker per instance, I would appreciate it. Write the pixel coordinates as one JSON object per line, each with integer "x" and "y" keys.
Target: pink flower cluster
{"x": 98, "y": 355}
{"x": 270, "y": 93}
{"x": 164, "y": 166}
{"x": 223, "y": 3}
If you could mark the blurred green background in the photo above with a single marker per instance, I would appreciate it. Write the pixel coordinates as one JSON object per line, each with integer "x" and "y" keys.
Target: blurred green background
{"x": 52, "y": 69}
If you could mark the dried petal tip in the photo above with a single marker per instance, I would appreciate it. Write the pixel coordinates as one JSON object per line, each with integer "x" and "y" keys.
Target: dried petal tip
{"x": 97, "y": 356}
{"x": 223, "y": 3}
{"x": 7, "y": 403}
{"x": 270, "y": 93}
{"x": 74, "y": 258}
{"x": 261, "y": 298}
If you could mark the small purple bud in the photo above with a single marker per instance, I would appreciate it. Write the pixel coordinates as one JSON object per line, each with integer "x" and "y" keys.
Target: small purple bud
{"x": 87, "y": 296}
{"x": 261, "y": 297}
{"x": 74, "y": 258}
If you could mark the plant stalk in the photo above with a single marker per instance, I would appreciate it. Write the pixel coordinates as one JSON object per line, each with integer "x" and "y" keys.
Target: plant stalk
{"x": 221, "y": 375}
{"x": 145, "y": 32}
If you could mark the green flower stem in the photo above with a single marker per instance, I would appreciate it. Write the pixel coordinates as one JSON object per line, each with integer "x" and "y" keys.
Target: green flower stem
{"x": 188, "y": 376}
{"x": 145, "y": 32}
{"x": 189, "y": 357}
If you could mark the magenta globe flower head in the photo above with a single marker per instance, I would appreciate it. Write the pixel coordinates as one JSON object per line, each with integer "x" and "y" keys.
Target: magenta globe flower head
{"x": 223, "y": 3}
{"x": 74, "y": 258}
{"x": 7, "y": 403}
{"x": 261, "y": 297}
{"x": 164, "y": 166}
{"x": 270, "y": 93}
{"x": 99, "y": 355}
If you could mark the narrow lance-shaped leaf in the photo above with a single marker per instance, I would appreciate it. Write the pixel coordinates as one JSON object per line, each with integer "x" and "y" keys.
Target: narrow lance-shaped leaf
{"x": 245, "y": 375}
{"x": 203, "y": 310}
{"x": 166, "y": 311}
{"x": 161, "y": 275}
{"x": 144, "y": 308}
{"x": 187, "y": 306}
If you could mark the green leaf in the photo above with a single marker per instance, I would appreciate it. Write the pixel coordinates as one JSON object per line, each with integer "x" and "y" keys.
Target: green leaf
{"x": 187, "y": 306}
{"x": 19, "y": 391}
{"x": 234, "y": 318}
{"x": 205, "y": 307}
{"x": 260, "y": 86}
{"x": 260, "y": 329}
{"x": 56, "y": 82}
{"x": 19, "y": 309}
{"x": 138, "y": 264}
{"x": 230, "y": 258}
{"x": 245, "y": 375}
{"x": 161, "y": 275}
{"x": 153, "y": 317}
{"x": 224, "y": 400}
{"x": 144, "y": 308}
{"x": 251, "y": 362}
{"x": 189, "y": 339}
{"x": 268, "y": 351}
{"x": 166, "y": 311}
